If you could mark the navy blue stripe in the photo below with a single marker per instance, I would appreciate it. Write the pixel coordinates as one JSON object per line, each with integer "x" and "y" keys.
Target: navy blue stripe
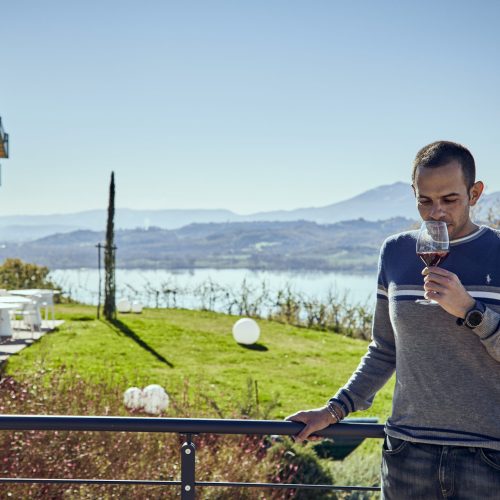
{"x": 402, "y": 298}
{"x": 344, "y": 407}
{"x": 487, "y": 300}
{"x": 437, "y": 429}
{"x": 344, "y": 393}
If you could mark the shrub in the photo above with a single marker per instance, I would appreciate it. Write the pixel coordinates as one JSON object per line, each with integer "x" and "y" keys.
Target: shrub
{"x": 298, "y": 464}
{"x": 16, "y": 274}
{"x": 129, "y": 455}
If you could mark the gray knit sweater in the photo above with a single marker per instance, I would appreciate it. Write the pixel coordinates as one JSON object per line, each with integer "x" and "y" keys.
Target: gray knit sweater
{"x": 447, "y": 376}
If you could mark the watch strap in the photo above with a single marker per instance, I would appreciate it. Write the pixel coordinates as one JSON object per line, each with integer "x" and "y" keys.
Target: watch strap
{"x": 477, "y": 307}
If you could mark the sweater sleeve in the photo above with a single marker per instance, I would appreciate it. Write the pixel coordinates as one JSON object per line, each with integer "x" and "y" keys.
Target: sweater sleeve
{"x": 379, "y": 362}
{"x": 489, "y": 333}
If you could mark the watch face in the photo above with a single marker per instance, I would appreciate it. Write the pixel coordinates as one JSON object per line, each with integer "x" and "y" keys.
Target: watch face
{"x": 474, "y": 318}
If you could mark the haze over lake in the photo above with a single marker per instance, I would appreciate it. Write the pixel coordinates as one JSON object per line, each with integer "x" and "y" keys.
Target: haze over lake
{"x": 141, "y": 285}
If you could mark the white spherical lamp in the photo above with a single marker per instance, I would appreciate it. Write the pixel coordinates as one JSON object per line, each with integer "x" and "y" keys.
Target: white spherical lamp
{"x": 136, "y": 307}
{"x": 132, "y": 398}
{"x": 154, "y": 399}
{"x": 246, "y": 331}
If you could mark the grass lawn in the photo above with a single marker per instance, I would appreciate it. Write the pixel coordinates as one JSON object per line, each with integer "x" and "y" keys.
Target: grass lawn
{"x": 297, "y": 367}
{"x": 193, "y": 355}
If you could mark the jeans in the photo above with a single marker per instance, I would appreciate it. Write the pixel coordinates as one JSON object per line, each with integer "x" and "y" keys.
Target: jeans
{"x": 417, "y": 471}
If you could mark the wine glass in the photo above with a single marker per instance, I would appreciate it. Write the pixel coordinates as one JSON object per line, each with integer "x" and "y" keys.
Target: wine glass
{"x": 433, "y": 246}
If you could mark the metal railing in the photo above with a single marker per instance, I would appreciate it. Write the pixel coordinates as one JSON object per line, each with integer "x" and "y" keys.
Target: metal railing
{"x": 188, "y": 427}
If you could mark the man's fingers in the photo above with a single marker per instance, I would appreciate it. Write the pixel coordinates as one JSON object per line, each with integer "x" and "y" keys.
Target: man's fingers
{"x": 440, "y": 280}
{"x": 314, "y": 420}
{"x": 437, "y": 271}
{"x": 308, "y": 429}
{"x": 434, "y": 286}
{"x": 313, "y": 437}
{"x": 432, "y": 295}
{"x": 304, "y": 434}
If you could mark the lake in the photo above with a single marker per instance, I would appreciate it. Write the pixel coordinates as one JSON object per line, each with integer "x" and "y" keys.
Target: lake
{"x": 190, "y": 288}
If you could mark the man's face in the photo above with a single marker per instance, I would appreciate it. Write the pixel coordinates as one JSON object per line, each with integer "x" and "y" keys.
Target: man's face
{"x": 442, "y": 194}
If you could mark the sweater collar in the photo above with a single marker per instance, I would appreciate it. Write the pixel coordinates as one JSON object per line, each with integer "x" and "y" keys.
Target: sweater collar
{"x": 469, "y": 237}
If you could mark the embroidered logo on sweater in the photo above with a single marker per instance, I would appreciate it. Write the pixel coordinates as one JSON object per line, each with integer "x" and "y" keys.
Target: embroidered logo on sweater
{"x": 488, "y": 279}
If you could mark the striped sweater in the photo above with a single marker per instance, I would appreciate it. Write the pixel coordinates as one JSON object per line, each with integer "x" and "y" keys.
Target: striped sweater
{"x": 447, "y": 376}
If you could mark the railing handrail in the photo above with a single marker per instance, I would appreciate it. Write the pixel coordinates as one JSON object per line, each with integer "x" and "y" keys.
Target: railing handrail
{"x": 187, "y": 427}
{"x": 180, "y": 425}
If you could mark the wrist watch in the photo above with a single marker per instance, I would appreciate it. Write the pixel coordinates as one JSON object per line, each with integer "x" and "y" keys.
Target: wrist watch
{"x": 474, "y": 316}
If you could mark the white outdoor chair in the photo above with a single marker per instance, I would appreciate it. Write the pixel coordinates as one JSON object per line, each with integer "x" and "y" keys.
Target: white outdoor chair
{"x": 29, "y": 317}
{"x": 47, "y": 302}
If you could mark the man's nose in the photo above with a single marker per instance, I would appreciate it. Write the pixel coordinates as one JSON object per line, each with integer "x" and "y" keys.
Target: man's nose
{"x": 437, "y": 212}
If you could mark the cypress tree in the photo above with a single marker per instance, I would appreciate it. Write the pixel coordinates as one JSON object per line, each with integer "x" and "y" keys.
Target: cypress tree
{"x": 109, "y": 256}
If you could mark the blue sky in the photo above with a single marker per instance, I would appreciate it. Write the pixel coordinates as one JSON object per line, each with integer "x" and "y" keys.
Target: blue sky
{"x": 246, "y": 105}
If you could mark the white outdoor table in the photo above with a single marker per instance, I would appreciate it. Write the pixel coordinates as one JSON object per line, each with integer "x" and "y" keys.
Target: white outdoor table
{"x": 43, "y": 296}
{"x": 10, "y": 299}
{"x": 24, "y": 302}
{"x": 5, "y": 323}
{"x": 29, "y": 292}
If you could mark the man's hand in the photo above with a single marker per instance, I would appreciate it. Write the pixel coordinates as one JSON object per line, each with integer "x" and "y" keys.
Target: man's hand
{"x": 446, "y": 289}
{"x": 315, "y": 420}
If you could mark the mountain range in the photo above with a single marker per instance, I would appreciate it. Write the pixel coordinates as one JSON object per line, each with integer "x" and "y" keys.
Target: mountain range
{"x": 348, "y": 245}
{"x": 380, "y": 203}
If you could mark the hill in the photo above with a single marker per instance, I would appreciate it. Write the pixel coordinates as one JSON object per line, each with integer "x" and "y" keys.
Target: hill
{"x": 348, "y": 245}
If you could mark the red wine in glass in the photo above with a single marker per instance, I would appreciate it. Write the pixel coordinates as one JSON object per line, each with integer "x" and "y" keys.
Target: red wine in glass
{"x": 433, "y": 258}
{"x": 433, "y": 246}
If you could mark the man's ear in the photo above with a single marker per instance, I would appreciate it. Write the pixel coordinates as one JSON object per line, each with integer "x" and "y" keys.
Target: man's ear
{"x": 414, "y": 192}
{"x": 475, "y": 193}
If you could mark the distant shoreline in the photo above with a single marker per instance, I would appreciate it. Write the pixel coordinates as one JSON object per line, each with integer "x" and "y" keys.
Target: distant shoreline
{"x": 184, "y": 270}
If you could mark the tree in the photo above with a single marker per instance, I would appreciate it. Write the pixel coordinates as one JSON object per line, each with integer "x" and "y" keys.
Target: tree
{"x": 109, "y": 257}
{"x": 16, "y": 274}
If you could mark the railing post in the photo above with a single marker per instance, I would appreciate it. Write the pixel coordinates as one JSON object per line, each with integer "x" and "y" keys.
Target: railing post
{"x": 188, "y": 469}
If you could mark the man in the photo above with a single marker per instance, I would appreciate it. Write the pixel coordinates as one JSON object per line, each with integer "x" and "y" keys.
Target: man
{"x": 443, "y": 437}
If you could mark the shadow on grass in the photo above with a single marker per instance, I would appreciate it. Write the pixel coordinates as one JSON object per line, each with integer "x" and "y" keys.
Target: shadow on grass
{"x": 254, "y": 347}
{"x": 122, "y": 327}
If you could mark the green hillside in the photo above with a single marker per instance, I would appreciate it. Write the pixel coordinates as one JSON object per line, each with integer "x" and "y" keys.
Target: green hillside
{"x": 177, "y": 348}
